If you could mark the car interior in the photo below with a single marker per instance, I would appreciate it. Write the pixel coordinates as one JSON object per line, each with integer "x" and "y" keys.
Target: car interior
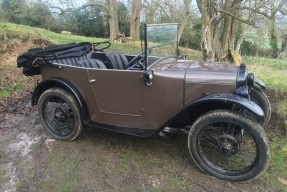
{"x": 103, "y": 60}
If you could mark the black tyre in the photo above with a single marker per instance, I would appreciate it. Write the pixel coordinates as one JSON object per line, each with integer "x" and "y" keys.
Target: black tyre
{"x": 261, "y": 99}
{"x": 229, "y": 146}
{"x": 59, "y": 114}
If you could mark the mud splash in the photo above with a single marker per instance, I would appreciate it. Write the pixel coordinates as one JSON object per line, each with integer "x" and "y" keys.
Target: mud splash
{"x": 19, "y": 132}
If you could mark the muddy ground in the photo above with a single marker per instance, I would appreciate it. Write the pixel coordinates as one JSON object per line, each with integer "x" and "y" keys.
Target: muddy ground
{"x": 31, "y": 161}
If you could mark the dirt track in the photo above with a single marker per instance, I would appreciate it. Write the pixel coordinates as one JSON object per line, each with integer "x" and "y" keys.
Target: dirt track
{"x": 31, "y": 161}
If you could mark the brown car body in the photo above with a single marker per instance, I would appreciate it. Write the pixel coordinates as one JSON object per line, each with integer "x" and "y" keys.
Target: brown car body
{"x": 141, "y": 100}
{"x": 120, "y": 100}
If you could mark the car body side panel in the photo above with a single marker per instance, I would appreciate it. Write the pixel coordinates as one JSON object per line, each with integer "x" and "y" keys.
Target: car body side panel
{"x": 201, "y": 78}
{"x": 77, "y": 77}
{"x": 118, "y": 92}
{"x": 199, "y": 84}
{"x": 161, "y": 100}
{"x": 164, "y": 98}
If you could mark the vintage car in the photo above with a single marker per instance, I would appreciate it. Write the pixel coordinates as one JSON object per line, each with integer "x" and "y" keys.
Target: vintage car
{"x": 221, "y": 107}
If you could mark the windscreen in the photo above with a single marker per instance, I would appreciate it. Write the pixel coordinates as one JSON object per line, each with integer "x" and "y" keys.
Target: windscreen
{"x": 162, "y": 40}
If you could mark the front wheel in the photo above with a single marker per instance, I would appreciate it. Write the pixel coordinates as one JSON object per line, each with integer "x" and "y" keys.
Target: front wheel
{"x": 261, "y": 99}
{"x": 229, "y": 146}
{"x": 59, "y": 114}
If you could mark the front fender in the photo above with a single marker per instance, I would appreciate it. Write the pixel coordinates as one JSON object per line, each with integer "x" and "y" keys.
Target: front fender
{"x": 229, "y": 101}
{"x": 214, "y": 102}
{"x": 60, "y": 83}
{"x": 259, "y": 83}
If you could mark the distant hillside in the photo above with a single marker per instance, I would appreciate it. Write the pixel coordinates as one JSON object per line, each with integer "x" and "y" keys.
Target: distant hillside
{"x": 14, "y": 30}
{"x": 260, "y": 38}
{"x": 13, "y": 35}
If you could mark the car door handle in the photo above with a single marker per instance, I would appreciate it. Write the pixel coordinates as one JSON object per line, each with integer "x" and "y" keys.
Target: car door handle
{"x": 92, "y": 80}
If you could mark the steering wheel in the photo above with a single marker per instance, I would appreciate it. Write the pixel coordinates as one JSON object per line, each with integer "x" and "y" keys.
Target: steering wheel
{"x": 135, "y": 61}
{"x": 99, "y": 43}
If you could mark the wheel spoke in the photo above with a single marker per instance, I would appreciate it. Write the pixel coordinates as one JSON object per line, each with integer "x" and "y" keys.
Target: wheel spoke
{"x": 223, "y": 148}
{"x": 58, "y": 116}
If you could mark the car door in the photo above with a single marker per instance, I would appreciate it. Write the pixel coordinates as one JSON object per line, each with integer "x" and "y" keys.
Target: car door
{"x": 118, "y": 91}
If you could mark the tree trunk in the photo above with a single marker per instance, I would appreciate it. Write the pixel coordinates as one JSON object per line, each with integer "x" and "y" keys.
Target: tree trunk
{"x": 208, "y": 11}
{"x": 214, "y": 46}
{"x": 273, "y": 38}
{"x": 225, "y": 38}
{"x": 284, "y": 43}
{"x": 135, "y": 19}
{"x": 113, "y": 17}
{"x": 230, "y": 27}
{"x": 149, "y": 11}
{"x": 186, "y": 17}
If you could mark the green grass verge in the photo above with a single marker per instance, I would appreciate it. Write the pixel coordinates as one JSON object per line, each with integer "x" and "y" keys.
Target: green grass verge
{"x": 12, "y": 32}
{"x": 277, "y": 170}
{"x": 272, "y": 71}
{"x": 16, "y": 31}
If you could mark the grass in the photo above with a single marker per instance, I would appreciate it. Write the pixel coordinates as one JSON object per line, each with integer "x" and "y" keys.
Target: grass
{"x": 103, "y": 161}
{"x": 272, "y": 71}
{"x": 277, "y": 168}
{"x": 282, "y": 109}
{"x": 14, "y": 84}
{"x": 62, "y": 170}
{"x": 3, "y": 176}
{"x": 133, "y": 155}
{"x": 12, "y": 32}
{"x": 28, "y": 168}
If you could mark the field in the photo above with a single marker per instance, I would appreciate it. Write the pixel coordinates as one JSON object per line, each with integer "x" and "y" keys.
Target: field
{"x": 114, "y": 162}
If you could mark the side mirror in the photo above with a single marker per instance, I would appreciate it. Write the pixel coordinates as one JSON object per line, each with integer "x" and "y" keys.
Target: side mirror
{"x": 148, "y": 76}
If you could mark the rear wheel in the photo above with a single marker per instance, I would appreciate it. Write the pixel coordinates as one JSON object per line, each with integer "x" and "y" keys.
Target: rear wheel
{"x": 229, "y": 146}
{"x": 59, "y": 114}
{"x": 261, "y": 99}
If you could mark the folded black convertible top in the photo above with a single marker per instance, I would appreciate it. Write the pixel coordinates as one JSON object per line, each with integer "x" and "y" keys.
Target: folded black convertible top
{"x": 30, "y": 60}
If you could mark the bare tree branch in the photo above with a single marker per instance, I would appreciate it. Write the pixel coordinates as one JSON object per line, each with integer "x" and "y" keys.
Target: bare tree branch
{"x": 239, "y": 19}
{"x": 63, "y": 11}
{"x": 257, "y": 11}
{"x": 273, "y": 11}
{"x": 163, "y": 10}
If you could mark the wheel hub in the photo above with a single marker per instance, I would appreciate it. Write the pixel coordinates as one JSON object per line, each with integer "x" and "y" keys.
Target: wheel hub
{"x": 228, "y": 145}
{"x": 61, "y": 114}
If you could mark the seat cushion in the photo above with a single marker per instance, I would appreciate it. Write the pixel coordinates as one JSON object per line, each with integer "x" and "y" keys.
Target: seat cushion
{"x": 117, "y": 61}
{"x": 92, "y": 63}
{"x": 73, "y": 60}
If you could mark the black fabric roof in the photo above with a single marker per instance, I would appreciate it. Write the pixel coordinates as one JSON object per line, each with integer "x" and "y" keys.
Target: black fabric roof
{"x": 31, "y": 60}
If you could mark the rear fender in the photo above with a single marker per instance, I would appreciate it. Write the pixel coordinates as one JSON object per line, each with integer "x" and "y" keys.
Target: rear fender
{"x": 60, "y": 83}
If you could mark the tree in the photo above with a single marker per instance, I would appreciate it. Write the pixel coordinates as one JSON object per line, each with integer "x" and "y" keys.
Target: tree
{"x": 168, "y": 11}
{"x": 15, "y": 10}
{"x": 221, "y": 20}
{"x": 111, "y": 7}
{"x": 135, "y": 19}
{"x": 39, "y": 15}
{"x": 2, "y": 15}
{"x": 208, "y": 9}
{"x": 186, "y": 17}
{"x": 124, "y": 19}
{"x": 284, "y": 43}
{"x": 269, "y": 9}
{"x": 113, "y": 17}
